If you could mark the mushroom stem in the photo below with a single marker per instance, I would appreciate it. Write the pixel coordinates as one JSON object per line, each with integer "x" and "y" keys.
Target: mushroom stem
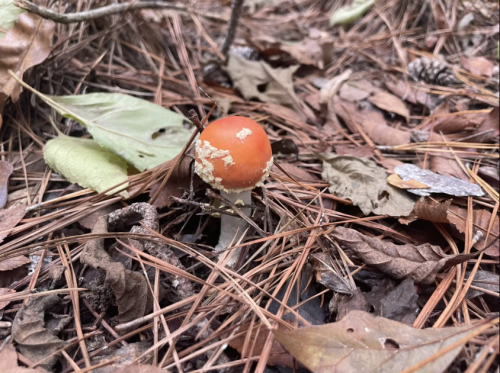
{"x": 232, "y": 228}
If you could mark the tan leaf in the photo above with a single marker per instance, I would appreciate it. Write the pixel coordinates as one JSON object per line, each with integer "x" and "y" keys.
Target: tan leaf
{"x": 447, "y": 167}
{"x": 299, "y": 174}
{"x": 458, "y": 122}
{"x": 140, "y": 368}
{"x": 11, "y": 263}
{"x": 9, "y": 219}
{"x": 421, "y": 263}
{"x": 406, "y": 92}
{"x": 327, "y": 273}
{"x": 3, "y": 304}
{"x": 364, "y": 151}
{"x": 431, "y": 210}
{"x": 278, "y": 355}
{"x": 478, "y": 66}
{"x": 364, "y": 343}
{"x": 388, "y": 102}
{"x": 5, "y": 171}
{"x": 307, "y": 52}
{"x": 355, "y": 91}
{"x": 390, "y": 163}
{"x": 490, "y": 123}
{"x": 396, "y": 181}
{"x": 25, "y": 45}
{"x": 9, "y": 364}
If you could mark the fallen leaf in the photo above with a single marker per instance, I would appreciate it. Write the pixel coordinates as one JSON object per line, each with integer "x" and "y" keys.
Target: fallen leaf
{"x": 406, "y": 92}
{"x": 15, "y": 262}
{"x": 456, "y": 122}
{"x": 355, "y": 91}
{"x": 363, "y": 151}
{"x": 396, "y": 181}
{"x": 120, "y": 360}
{"x": 89, "y": 220}
{"x": 332, "y": 86}
{"x": 306, "y": 52}
{"x": 372, "y": 122}
{"x": 389, "y": 164}
{"x": 25, "y": 45}
{"x": 348, "y": 14}
{"x": 9, "y": 219}
{"x": 9, "y": 13}
{"x": 328, "y": 274}
{"x": 130, "y": 288}
{"x": 481, "y": 220}
{"x": 491, "y": 122}
{"x": 20, "y": 197}
{"x": 143, "y": 133}
{"x": 277, "y": 356}
{"x": 439, "y": 15}
{"x": 365, "y": 184}
{"x": 299, "y": 174}
{"x": 258, "y": 80}
{"x": 388, "y": 102}
{"x": 3, "y": 304}
{"x": 5, "y": 171}
{"x": 421, "y": 263}
{"x": 343, "y": 304}
{"x": 431, "y": 210}
{"x": 140, "y": 368}
{"x": 361, "y": 342}
{"x": 399, "y": 304}
{"x": 84, "y": 162}
{"x": 437, "y": 183}
{"x": 8, "y": 360}
{"x": 447, "y": 167}
{"x": 483, "y": 279}
{"x": 478, "y": 66}
{"x": 36, "y": 340}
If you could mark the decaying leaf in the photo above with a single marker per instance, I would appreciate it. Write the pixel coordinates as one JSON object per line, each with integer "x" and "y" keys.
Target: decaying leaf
{"x": 140, "y": 368}
{"x": 388, "y": 102}
{"x": 355, "y": 91}
{"x": 327, "y": 274}
{"x": 277, "y": 356}
{"x": 455, "y": 122}
{"x": 143, "y": 133}
{"x": 437, "y": 183}
{"x": 130, "y": 288}
{"x": 9, "y": 364}
{"x": 9, "y": 219}
{"x": 481, "y": 220}
{"x": 25, "y": 45}
{"x": 84, "y": 162}
{"x": 307, "y": 52}
{"x": 11, "y": 263}
{"x": 35, "y": 336}
{"x": 350, "y": 13}
{"x": 421, "y": 263}
{"x": 343, "y": 304}
{"x": 478, "y": 66}
{"x": 489, "y": 127}
{"x": 398, "y": 304}
{"x": 5, "y": 171}
{"x": 299, "y": 174}
{"x": 432, "y": 210}
{"x": 364, "y": 151}
{"x": 258, "y": 80}
{"x": 396, "y": 181}
{"x": 365, "y": 184}
{"x": 361, "y": 342}
{"x": 406, "y": 92}
{"x": 125, "y": 354}
{"x": 447, "y": 166}
{"x": 482, "y": 279}
{"x": 8, "y": 15}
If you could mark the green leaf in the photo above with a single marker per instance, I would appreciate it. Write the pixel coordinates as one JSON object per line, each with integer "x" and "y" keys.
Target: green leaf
{"x": 84, "y": 162}
{"x": 361, "y": 342}
{"x": 143, "y": 133}
{"x": 8, "y": 15}
{"x": 348, "y": 14}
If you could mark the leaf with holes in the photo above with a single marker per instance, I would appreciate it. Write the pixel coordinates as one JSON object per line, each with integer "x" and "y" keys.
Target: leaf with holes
{"x": 84, "y": 162}
{"x": 361, "y": 342}
{"x": 143, "y": 133}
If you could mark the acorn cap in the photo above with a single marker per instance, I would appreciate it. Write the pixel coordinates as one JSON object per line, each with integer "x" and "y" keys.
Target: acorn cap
{"x": 233, "y": 154}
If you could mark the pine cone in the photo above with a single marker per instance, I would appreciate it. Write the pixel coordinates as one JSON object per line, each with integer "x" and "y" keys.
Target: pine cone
{"x": 431, "y": 71}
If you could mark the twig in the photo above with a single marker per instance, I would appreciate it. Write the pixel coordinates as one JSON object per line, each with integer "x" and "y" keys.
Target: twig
{"x": 236, "y": 8}
{"x": 94, "y": 13}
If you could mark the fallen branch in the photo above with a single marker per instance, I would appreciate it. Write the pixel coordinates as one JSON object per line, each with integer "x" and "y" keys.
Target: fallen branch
{"x": 94, "y": 13}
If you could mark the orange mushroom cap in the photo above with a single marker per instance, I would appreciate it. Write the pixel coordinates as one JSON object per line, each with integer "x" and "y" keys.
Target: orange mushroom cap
{"x": 233, "y": 154}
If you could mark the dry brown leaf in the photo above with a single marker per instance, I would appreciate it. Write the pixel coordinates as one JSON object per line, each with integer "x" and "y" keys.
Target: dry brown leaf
{"x": 396, "y": 181}
{"x": 278, "y": 355}
{"x": 5, "y": 171}
{"x": 3, "y": 304}
{"x": 439, "y": 15}
{"x": 9, "y": 364}
{"x": 355, "y": 91}
{"x": 35, "y": 339}
{"x": 478, "y": 66}
{"x": 458, "y": 122}
{"x": 119, "y": 360}
{"x": 306, "y": 52}
{"x": 88, "y": 221}
{"x": 389, "y": 164}
{"x": 490, "y": 123}
{"x": 9, "y": 219}
{"x": 140, "y": 368}
{"x": 364, "y": 151}
{"x": 388, "y": 102}
{"x": 431, "y": 210}
{"x": 447, "y": 167}
{"x": 421, "y": 263}
{"x": 25, "y": 45}
{"x": 11, "y": 263}
{"x": 327, "y": 273}
{"x": 481, "y": 219}
{"x": 406, "y": 92}
{"x": 364, "y": 343}
{"x": 299, "y": 174}
{"x": 130, "y": 288}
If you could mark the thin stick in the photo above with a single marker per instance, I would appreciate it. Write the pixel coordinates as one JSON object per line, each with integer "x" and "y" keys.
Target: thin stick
{"x": 236, "y": 8}
{"x": 94, "y": 13}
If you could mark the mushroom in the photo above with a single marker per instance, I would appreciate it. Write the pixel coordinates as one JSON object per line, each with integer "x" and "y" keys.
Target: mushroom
{"x": 233, "y": 155}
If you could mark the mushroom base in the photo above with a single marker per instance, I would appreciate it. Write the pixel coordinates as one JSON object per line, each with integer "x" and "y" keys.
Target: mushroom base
{"x": 233, "y": 228}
